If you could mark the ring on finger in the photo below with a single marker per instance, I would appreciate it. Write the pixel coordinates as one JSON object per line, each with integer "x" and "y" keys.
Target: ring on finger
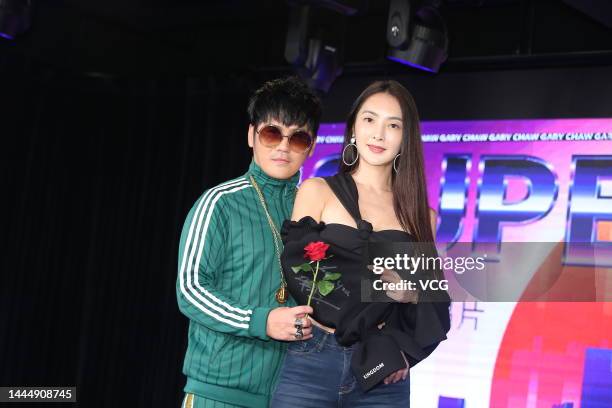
{"x": 299, "y": 334}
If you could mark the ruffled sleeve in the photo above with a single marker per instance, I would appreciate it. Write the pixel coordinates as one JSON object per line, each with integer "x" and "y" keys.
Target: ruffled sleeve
{"x": 297, "y": 230}
{"x": 418, "y": 329}
{"x": 415, "y": 329}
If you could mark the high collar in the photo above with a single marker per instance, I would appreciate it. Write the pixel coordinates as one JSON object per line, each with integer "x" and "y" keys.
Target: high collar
{"x": 270, "y": 185}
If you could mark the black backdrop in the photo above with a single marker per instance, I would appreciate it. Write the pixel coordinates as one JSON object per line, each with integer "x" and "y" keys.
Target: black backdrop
{"x": 98, "y": 174}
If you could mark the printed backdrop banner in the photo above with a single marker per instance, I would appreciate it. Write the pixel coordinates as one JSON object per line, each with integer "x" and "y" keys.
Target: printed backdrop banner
{"x": 518, "y": 181}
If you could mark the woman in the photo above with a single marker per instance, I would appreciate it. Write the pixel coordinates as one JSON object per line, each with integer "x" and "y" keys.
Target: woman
{"x": 379, "y": 195}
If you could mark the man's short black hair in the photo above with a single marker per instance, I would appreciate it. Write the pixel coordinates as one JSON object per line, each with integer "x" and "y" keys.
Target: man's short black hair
{"x": 287, "y": 100}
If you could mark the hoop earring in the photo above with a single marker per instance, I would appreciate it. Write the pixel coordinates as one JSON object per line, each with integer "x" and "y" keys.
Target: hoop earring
{"x": 344, "y": 151}
{"x": 394, "y": 164}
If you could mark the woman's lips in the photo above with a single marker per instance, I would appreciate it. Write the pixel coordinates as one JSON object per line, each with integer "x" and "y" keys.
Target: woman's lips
{"x": 376, "y": 149}
{"x": 280, "y": 161}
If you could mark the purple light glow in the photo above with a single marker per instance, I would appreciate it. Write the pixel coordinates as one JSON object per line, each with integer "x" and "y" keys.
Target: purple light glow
{"x": 412, "y": 64}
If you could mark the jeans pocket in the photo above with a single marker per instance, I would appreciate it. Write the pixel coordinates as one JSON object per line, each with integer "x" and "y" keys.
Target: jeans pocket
{"x": 304, "y": 346}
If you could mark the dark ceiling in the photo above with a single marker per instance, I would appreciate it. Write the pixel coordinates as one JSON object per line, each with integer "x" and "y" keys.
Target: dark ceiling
{"x": 192, "y": 38}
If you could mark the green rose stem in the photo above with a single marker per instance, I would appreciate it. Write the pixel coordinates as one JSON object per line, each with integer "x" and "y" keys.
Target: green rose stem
{"x": 314, "y": 281}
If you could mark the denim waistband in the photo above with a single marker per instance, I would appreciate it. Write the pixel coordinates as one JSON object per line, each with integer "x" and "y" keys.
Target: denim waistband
{"x": 327, "y": 340}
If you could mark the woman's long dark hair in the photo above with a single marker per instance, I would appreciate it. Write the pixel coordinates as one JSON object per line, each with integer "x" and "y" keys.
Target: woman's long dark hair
{"x": 408, "y": 184}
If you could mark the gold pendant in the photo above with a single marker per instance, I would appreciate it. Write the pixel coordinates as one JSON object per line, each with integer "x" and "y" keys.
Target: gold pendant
{"x": 281, "y": 295}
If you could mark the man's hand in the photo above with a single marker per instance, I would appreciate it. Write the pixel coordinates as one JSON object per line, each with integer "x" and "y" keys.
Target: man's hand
{"x": 399, "y": 374}
{"x": 281, "y": 323}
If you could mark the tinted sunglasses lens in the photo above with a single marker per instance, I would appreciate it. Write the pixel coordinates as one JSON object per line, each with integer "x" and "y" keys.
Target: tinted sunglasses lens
{"x": 270, "y": 136}
{"x": 300, "y": 142}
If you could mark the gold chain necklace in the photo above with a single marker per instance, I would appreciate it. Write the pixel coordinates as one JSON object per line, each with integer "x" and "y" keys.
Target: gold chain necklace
{"x": 281, "y": 293}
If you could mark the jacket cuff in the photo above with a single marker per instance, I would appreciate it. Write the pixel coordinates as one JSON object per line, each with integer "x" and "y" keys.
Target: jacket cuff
{"x": 259, "y": 322}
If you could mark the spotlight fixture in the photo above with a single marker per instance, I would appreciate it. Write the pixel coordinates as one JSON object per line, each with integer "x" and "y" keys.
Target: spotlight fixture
{"x": 14, "y": 17}
{"x": 416, "y": 34}
{"x": 315, "y": 39}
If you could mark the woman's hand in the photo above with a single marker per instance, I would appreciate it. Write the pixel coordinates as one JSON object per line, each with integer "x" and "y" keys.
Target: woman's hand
{"x": 402, "y": 296}
{"x": 399, "y": 374}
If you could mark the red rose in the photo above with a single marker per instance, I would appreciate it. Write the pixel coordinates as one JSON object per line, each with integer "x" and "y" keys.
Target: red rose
{"x": 315, "y": 251}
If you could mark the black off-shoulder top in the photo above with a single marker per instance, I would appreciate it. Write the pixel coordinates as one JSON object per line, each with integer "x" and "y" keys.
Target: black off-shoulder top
{"x": 417, "y": 329}
{"x": 346, "y": 247}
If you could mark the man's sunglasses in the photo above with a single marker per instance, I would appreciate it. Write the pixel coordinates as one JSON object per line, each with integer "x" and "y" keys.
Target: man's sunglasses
{"x": 271, "y": 136}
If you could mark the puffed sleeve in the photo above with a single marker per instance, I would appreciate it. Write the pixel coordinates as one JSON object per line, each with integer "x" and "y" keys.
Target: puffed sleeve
{"x": 297, "y": 230}
{"x": 415, "y": 330}
{"x": 418, "y": 328}
{"x": 296, "y": 235}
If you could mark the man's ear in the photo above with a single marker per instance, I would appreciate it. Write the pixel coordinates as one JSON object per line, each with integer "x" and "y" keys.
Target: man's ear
{"x": 312, "y": 149}
{"x": 314, "y": 145}
{"x": 251, "y": 136}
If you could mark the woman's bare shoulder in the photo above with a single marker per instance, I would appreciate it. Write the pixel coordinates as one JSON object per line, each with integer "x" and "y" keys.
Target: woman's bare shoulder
{"x": 311, "y": 198}
{"x": 314, "y": 189}
{"x": 314, "y": 185}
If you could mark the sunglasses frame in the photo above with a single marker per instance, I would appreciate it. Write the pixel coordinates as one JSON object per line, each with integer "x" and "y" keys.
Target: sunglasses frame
{"x": 288, "y": 137}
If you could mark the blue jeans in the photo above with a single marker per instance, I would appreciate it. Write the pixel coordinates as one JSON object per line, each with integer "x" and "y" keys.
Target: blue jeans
{"x": 317, "y": 373}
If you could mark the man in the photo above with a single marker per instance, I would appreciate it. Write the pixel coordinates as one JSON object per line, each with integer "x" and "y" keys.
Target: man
{"x": 229, "y": 283}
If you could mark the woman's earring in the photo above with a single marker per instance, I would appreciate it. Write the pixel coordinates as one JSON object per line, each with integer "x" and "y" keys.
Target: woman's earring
{"x": 394, "y": 162}
{"x": 356, "y": 152}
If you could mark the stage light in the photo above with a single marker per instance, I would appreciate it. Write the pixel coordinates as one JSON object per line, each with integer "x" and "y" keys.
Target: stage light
{"x": 315, "y": 44}
{"x": 416, "y": 34}
{"x": 14, "y": 17}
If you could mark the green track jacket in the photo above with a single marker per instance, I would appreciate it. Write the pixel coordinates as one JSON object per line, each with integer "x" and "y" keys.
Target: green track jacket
{"x": 228, "y": 275}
